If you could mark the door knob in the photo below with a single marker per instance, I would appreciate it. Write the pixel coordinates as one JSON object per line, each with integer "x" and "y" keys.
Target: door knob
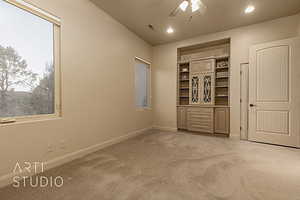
{"x": 252, "y": 105}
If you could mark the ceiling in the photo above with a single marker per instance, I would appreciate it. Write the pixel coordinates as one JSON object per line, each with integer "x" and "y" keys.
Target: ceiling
{"x": 220, "y": 15}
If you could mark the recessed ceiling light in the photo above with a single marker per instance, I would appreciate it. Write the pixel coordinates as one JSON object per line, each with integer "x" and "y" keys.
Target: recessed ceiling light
{"x": 249, "y": 9}
{"x": 183, "y": 6}
{"x": 170, "y": 30}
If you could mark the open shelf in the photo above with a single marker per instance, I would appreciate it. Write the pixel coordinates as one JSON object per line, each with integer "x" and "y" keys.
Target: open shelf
{"x": 222, "y": 82}
{"x": 184, "y": 101}
{"x": 222, "y": 77}
{"x": 221, "y": 68}
{"x": 181, "y": 63}
{"x": 221, "y": 58}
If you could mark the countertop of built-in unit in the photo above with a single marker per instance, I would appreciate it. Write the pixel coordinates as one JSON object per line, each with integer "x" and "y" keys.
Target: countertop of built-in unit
{"x": 206, "y": 106}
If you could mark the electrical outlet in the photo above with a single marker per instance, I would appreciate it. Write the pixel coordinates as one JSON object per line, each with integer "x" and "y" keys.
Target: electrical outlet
{"x": 63, "y": 144}
{"x": 50, "y": 148}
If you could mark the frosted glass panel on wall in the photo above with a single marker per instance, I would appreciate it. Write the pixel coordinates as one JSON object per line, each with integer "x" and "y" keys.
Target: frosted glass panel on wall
{"x": 142, "y": 74}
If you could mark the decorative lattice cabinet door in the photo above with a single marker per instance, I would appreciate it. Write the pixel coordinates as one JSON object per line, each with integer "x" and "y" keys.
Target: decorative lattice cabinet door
{"x": 207, "y": 89}
{"x": 195, "y": 88}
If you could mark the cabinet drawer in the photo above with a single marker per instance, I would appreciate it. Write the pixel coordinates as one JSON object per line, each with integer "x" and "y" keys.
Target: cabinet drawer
{"x": 199, "y": 128}
{"x": 196, "y": 118}
{"x": 203, "y": 125}
{"x": 203, "y": 121}
{"x": 200, "y": 110}
{"x": 200, "y": 119}
{"x": 203, "y": 66}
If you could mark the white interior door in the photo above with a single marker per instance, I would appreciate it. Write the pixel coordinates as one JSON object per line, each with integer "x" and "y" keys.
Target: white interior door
{"x": 244, "y": 100}
{"x": 274, "y": 88}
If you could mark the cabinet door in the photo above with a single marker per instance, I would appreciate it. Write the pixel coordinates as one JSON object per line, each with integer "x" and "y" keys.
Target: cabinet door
{"x": 222, "y": 120}
{"x": 195, "y": 88}
{"x": 203, "y": 66}
{"x": 207, "y": 90}
{"x": 181, "y": 118}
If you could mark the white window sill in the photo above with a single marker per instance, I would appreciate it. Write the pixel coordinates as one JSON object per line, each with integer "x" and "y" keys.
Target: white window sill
{"x": 31, "y": 119}
{"x": 144, "y": 109}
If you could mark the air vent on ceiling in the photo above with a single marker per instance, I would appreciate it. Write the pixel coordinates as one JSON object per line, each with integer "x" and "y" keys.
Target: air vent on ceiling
{"x": 150, "y": 26}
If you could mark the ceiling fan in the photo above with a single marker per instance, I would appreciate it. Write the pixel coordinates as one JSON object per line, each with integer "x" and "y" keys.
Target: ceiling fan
{"x": 189, "y": 5}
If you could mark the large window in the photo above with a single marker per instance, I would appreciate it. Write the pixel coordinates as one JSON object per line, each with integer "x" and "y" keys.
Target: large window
{"x": 142, "y": 83}
{"x": 29, "y": 61}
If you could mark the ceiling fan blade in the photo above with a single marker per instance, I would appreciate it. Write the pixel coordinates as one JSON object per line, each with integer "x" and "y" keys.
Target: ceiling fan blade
{"x": 192, "y": 5}
{"x": 202, "y": 8}
{"x": 174, "y": 12}
{"x": 182, "y": 6}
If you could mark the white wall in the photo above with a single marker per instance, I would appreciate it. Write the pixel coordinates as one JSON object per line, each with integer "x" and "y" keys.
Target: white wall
{"x": 165, "y": 57}
{"x": 97, "y": 87}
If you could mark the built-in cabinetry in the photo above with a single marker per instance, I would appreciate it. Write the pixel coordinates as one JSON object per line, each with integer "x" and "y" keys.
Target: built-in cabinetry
{"x": 181, "y": 117}
{"x": 203, "y": 88}
{"x": 221, "y": 120}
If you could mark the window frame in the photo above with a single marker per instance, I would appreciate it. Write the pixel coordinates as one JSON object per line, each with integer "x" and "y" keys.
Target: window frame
{"x": 149, "y": 84}
{"x": 32, "y": 9}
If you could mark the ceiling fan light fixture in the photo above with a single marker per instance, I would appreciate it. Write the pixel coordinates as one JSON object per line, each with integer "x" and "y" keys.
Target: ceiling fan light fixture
{"x": 183, "y": 6}
{"x": 191, "y": 6}
{"x": 195, "y": 8}
{"x": 195, "y": 5}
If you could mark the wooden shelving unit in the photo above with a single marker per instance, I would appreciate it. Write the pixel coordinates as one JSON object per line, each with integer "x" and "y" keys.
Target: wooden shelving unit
{"x": 203, "y": 87}
{"x": 183, "y": 85}
{"x": 222, "y": 81}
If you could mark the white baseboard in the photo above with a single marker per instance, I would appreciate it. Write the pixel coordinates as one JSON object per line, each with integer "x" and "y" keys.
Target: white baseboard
{"x": 162, "y": 128}
{"x": 8, "y": 178}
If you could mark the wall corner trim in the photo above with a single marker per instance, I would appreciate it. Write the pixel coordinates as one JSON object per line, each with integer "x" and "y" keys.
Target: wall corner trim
{"x": 7, "y": 179}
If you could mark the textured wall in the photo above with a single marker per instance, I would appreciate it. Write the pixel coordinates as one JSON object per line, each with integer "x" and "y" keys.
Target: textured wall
{"x": 97, "y": 87}
{"x": 165, "y": 57}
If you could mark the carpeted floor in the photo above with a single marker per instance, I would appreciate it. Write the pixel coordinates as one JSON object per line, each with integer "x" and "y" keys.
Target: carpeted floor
{"x": 175, "y": 166}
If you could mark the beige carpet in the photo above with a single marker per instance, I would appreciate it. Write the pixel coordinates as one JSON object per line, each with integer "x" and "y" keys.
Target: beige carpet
{"x": 175, "y": 166}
